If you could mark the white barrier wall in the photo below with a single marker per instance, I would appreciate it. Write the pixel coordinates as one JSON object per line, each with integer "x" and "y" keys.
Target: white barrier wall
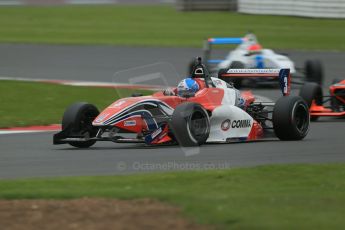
{"x": 304, "y": 8}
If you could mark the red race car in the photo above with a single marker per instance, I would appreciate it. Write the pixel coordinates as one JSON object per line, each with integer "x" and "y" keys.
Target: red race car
{"x": 332, "y": 105}
{"x": 201, "y": 109}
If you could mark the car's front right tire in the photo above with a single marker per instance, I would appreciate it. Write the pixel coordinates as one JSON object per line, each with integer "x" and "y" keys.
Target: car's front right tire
{"x": 291, "y": 118}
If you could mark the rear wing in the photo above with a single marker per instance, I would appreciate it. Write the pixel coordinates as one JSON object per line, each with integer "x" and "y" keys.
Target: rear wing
{"x": 225, "y": 41}
{"x": 218, "y": 41}
{"x": 282, "y": 75}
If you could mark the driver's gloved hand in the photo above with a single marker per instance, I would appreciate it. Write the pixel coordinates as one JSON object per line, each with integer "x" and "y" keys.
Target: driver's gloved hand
{"x": 168, "y": 92}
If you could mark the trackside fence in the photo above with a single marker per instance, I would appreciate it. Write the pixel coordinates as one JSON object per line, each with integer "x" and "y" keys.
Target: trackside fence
{"x": 304, "y": 8}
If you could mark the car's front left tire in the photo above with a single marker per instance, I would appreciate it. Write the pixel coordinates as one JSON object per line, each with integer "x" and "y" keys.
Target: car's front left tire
{"x": 78, "y": 120}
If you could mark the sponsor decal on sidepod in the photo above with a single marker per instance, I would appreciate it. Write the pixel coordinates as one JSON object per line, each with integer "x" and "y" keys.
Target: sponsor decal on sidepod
{"x": 130, "y": 123}
{"x": 225, "y": 126}
{"x": 241, "y": 123}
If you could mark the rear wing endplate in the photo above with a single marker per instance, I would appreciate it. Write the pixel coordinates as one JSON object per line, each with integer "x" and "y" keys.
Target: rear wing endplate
{"x": 283, "y": 76}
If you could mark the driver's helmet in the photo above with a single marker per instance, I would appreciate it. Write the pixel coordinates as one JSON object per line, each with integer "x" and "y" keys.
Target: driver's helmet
{"x": 187, "y": 87}
{"x": 255, "y": 48}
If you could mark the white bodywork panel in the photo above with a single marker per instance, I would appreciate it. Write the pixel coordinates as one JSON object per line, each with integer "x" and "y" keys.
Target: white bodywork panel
{"x": 270, "y": 59}
{"x": 229, "y": 121}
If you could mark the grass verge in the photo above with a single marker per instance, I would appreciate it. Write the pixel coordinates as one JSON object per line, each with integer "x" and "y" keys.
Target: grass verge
{"x": 27, "y": 103}
{"x": 266, "y": 197}
{"x": 162, "y": 26}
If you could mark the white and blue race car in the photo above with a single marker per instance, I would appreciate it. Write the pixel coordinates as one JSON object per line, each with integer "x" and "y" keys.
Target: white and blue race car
{"x": 249, "y": 54}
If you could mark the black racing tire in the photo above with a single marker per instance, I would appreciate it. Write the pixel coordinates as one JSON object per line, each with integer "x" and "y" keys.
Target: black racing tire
{"x": 221, "y": 72}
{"x": 310, "y": 92}
{"x": 237, "y": 81}
{"x": 190, "y": 124}
{"x": 314, "y": 71}
{"x": 291, "y": 118}
{"x": 78, "y": 119}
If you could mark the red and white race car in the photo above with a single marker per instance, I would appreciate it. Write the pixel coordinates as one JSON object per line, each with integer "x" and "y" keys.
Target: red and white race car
{"x": 217, "y": 113}
{"x": 332, "y": 105}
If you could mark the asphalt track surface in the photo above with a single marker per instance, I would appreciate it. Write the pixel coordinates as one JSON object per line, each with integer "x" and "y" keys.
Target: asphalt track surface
{"x": 33, "y": 155}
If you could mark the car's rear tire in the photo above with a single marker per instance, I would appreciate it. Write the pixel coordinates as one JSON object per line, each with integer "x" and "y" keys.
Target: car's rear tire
{"x": 291, "y": 118}
{"x": 78, "y": 120}
{"x": 314, "y": 71}
{"x": 310, "y": 92}
{"x": 190, "y": 124}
